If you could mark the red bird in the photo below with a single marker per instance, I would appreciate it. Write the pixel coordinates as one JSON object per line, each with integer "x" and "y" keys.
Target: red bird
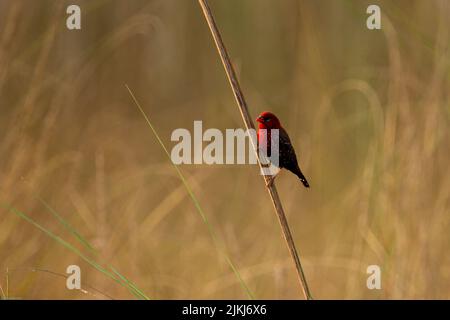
{"x": 287, "y": 157}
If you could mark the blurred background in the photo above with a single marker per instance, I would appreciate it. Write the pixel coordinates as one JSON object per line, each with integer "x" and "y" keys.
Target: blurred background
{"x": 367, "y": 110}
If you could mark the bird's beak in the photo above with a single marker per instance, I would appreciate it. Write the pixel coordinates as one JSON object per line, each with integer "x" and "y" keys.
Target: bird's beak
{"x": 260, "y": 120}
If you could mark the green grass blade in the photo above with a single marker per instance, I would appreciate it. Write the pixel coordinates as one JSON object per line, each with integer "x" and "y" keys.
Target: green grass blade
{"x": 194, "y": 199}
{"x": 73, "y": 249}
{"x": 72, "y": 230}
{"x": 129, "y": 283}
{"x": 90, "y": 247}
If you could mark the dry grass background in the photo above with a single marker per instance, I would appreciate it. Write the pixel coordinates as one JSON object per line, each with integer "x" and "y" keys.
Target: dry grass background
{"x": 368, "y": 111}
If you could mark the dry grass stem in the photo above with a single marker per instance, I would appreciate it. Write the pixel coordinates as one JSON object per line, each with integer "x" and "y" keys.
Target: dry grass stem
{"x": 249, "y": 125}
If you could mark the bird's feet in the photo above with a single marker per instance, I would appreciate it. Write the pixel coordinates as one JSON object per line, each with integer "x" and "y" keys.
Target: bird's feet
{"x": 269, "y": 182}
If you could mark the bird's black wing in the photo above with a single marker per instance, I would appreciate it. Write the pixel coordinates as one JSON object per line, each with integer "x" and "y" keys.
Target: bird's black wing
{"x": 288, "y": 158}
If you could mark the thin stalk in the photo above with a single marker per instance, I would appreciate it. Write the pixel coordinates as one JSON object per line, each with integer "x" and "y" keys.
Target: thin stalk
{"x": 243, "y": 108}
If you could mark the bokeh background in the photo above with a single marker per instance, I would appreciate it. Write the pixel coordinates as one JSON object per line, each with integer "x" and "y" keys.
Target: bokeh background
{"x": 367, "y": 111}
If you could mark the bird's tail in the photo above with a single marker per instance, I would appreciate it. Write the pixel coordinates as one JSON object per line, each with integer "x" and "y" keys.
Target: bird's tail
{"x": 302, "y": 178}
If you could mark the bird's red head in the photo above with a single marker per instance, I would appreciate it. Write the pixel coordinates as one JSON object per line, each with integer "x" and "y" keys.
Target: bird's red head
{"x": 268, "y": 120}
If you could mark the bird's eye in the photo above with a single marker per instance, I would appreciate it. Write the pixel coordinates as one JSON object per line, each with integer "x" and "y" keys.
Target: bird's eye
{"x": 266, "y": 119}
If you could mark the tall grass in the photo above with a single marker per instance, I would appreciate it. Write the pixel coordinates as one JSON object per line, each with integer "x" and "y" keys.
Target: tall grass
{"x": 111, "y": 273}
{"x": 194, "y": 198}
{"x": 367, "y": 111}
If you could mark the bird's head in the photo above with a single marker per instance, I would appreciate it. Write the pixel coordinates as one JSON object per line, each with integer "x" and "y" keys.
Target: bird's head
{"x": 268, "y": 120}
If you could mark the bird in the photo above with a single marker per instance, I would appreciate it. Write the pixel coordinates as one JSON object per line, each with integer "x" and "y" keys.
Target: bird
{"x": 287, "y": 157}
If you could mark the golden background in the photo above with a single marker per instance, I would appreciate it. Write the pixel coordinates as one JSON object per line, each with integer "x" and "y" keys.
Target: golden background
{"x": 367, "y": 111}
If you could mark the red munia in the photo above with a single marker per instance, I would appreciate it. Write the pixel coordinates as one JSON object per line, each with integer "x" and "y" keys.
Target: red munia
{"x": 287, "y": 158}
